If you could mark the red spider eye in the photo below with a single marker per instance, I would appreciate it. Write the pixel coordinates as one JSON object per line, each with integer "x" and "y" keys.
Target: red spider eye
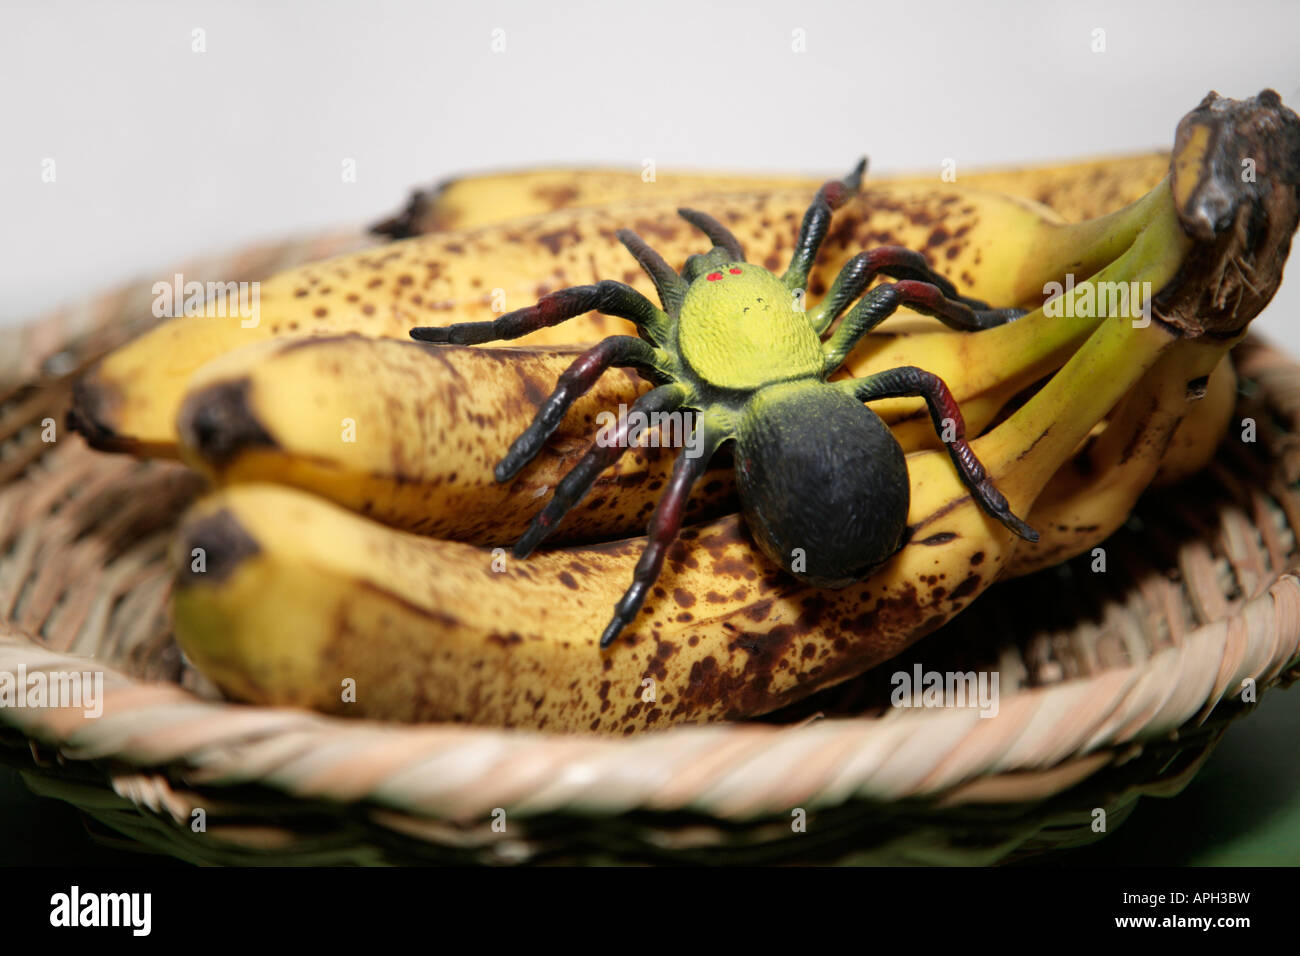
{"x": 734, "y": 272}
{"x": 714, "y": 276}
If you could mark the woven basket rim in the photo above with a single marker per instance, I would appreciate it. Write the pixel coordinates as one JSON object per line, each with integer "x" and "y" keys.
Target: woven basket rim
{"x": 1045, "y": 740}
{"x": 732, "y": 770}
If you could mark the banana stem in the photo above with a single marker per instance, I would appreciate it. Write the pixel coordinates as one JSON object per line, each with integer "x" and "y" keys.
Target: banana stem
{"x": 1082, "y": 248}
{"x": 1027, "y": 449}
{"x": 1039, "y": 342}
{"x": 1005, "y": 360}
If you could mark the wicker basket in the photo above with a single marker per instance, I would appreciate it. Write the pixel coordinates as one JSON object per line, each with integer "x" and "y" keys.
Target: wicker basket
{"x": 1112, "y": 685}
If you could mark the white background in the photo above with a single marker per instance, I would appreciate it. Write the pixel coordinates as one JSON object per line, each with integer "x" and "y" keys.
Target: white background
{"x": 162, "y": 152}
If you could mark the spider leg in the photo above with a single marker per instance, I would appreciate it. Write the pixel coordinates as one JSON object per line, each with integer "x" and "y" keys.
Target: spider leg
{"x": 859, "y": 272}
{"x": 600, "y": 456}
{"x": 817, "y": 220}
{"x": 911, "y": 382}
{"x": 664, "y": 525}
{"x": 621, "y": 350}
{"x": 607, "y": 296}
{"x": 882, "y": 301}
{"x": 669, "y": 285}
{"x": 718, "y": 234}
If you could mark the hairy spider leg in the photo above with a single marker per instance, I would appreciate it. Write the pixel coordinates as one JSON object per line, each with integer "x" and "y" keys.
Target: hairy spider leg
{"x": 670, "y": 286}
{"x": 580, "y": 478}
{"x": 664, "y": 525}
{"x": 816, "y": 222}
{"x": 607, "y": 296}
{"x": 718, "y": 234}
{"x": 882, "y": 301}
{"x": 895, "y": 262}
{"x": 623, "y": 351}
{"x": 910, "y": 382}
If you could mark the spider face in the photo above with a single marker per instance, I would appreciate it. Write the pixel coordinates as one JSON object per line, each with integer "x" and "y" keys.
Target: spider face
{"x": 823, "y": 483}
{"x": 739, "y": 329}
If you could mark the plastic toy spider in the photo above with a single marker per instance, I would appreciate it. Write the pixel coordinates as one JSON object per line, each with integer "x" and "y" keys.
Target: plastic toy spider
{"x": 819, "y": 474}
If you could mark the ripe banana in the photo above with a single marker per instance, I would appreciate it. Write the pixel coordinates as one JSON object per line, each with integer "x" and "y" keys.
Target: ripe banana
{"x": 1198, "y": 437}
{"x": 997, "y": 248}
{"x": 1076, "y": 191}
{"x": 470, "y": 202}
{"x": 408, "y": 434}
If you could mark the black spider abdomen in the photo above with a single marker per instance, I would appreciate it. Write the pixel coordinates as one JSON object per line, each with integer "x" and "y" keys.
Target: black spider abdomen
{"x": 823, "y": 483}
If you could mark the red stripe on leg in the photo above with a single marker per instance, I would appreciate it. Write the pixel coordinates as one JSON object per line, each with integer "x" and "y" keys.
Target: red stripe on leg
{"x": 927, "y": 298}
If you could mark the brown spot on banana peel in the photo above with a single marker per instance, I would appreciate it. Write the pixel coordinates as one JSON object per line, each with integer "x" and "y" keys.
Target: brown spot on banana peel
{"x": 557, "y": 197}
{"x": 1142, "y": 433}
{"x": 222, "y": 544}
{"x": 219, "y": 424}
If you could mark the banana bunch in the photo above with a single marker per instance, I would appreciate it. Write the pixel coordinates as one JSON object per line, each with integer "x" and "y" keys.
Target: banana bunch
{"x": 323, "y": 417}
{"x": 303, "y": 602}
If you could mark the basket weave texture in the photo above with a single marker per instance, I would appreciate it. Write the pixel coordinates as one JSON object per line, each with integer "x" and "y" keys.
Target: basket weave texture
{"x": 1112, "y": 685}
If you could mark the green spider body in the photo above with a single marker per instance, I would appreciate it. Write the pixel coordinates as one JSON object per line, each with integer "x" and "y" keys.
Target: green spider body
{"x": 823, "y": 483}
